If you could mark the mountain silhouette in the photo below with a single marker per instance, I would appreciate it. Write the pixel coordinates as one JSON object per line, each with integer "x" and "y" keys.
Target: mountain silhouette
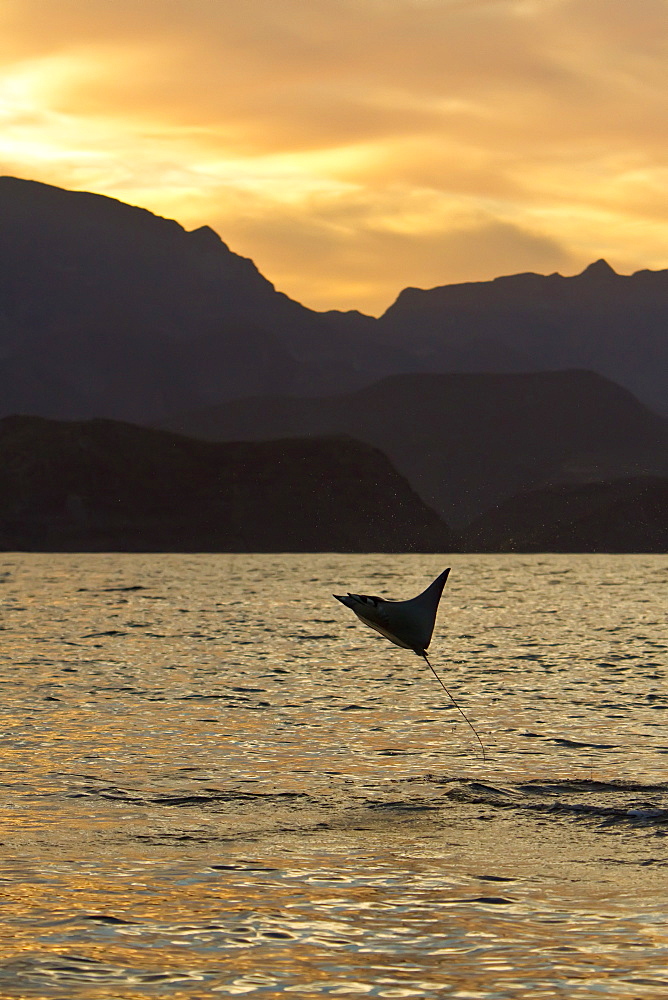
{"x": 103, "y": 485}
{"x": 465, "y": 442}
{"x": 476, "y": 392}
{"x": 108, "y": 310}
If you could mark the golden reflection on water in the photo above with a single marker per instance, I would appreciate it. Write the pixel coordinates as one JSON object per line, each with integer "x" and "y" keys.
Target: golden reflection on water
{"x": 389, "y": 929}
{"x": 216, "y": 783}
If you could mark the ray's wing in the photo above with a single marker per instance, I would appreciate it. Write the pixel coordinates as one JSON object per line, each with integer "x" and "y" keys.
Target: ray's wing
{"x": 380, "y": 615}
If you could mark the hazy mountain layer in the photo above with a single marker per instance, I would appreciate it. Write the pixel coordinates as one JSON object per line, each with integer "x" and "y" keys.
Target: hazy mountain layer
{"x": 466, "y": 442}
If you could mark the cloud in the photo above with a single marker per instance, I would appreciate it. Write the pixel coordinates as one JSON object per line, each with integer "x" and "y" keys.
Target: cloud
{"x": 454, "y": 139}
{"x": 375, "y": 249}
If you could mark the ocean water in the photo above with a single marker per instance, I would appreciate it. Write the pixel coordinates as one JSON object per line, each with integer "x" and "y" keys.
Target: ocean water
{"x": 216, "y": 782}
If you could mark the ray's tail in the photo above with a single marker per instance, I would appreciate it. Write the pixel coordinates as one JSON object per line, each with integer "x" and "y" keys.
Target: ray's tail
{"x": 469, "y": 724}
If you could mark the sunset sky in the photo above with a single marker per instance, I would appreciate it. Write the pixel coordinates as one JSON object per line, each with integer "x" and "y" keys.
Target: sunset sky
{"x": 354, "y": 147}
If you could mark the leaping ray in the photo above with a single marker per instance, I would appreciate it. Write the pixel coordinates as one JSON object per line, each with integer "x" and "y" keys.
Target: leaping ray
{"x": 409, "y": 624}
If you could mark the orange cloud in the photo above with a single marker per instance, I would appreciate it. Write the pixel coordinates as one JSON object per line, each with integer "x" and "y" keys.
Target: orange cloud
{"x": 356, "y": 147}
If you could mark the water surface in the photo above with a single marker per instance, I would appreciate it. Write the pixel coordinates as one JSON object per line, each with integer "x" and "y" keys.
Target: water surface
{"x": 216, "y": 782}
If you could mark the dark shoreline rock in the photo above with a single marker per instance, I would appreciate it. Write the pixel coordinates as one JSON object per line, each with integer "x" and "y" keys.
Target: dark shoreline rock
{"x": 103, "y": 485}
{"x": 625, "y": 515}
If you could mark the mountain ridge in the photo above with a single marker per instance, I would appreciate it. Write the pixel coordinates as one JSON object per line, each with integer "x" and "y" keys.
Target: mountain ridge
{"x": 109, "y": 310}
{"x": 597, "y": 319}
